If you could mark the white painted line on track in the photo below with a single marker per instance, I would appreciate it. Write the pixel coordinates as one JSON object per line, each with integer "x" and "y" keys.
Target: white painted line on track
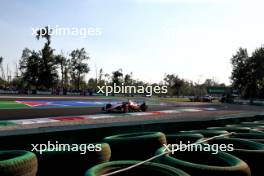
{"x": 34, "y": 121}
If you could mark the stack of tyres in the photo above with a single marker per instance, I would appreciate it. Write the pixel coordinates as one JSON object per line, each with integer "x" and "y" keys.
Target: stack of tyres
{"x": 146, "y": 169}
{"x": 235, "y": 129}
{"x": 207, "y": 133}
{"x": 135, "y": 146}
{"x": 250, "y": 152}
{"x": 257, "y": 137}
{"x": 54, "y": 163}
{"x": 205, "y": 163}
{"x": 255, "y": 127}
{"x": 184, "y": 138}
{"x": 18, "y": 163}
{"x": 259, "y": 126}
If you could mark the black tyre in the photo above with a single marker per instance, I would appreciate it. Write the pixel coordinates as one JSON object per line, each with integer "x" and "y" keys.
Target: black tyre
{"x": 251, "y": 152}
{"x": 125, "y": 108}
{"x": 107, "y": 106}
{"x": 207, "y": 133}
{"x": 53, "y": 163}
{"x": 205, "y": 163}
{"x": 256, "y": 137}
{"x": 254, "y": 128}
{"x": 178, "y": 138}
{"x": 143, "y": 107}
{"x": 147, "y": 169}
{"x": 233, "y": 129}
{"x": 18, "y": 163}
{"x": 135, "y": 146}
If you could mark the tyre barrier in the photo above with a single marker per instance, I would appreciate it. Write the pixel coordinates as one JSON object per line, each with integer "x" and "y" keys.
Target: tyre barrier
{"x": 255, "y": 128}
{"x": 246, "y": 125}
{"x": 135, "y": 146}
{"x": 147, "y": 169}
{"x": 250, "y": 152}
{"x": 18, "y": 163}
{"x": 207, "y": 133}
{"x": 69, "y": 163}
{"x": 234, "y": 129}
{"x": 252, "y": 123}
{"x": 256, "y": 137}
{"x": 205, "y": 163}
{"x": 185, "y": 138}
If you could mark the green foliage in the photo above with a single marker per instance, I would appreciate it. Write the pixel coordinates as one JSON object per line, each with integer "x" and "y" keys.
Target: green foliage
{"x": 30, "y": 68}
{"x": 78, "y": 67}
{"x": 248, "y": 73}
{"x": 39, "y": 69}
{"x": 117, "y": 77}
{"x": 63, "y": 63}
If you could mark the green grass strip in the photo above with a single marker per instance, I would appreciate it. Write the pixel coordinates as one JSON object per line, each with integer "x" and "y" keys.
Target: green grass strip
{"x": 7, "y": 123}
{"x": 12, "y": 105}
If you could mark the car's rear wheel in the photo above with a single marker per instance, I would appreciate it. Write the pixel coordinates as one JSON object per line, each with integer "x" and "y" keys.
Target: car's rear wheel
{"x": 107, "y": 107}
{"x": 143, "y": 107}
{"x": 125, "y": 109}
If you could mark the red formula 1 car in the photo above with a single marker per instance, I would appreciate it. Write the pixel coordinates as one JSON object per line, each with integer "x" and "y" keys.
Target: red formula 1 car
{"x": 128, "y": 106}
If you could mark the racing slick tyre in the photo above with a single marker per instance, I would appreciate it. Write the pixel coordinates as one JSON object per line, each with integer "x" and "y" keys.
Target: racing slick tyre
{"x": 207, "y": 133}
{"x": 146, "y": 169}
{"x": 107, "y": 106}
{"x": 250, "y": 152}
{"x": 18, "y": 163}
{"x": 125, "y": 109}
{"x": 183, "y": 138}
{"x": 205, "y": 163}
{"x": 135, "y": 146}
{"x": 69, "y": 163}
{"x": 143, "y": 107}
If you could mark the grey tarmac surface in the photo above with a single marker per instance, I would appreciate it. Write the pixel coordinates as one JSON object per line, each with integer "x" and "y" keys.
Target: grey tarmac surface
{"x": 15, "y": 114}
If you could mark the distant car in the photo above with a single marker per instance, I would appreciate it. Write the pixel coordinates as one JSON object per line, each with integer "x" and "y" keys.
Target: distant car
{"x": 206, "y": 98}
{"x": 128, "y": 106}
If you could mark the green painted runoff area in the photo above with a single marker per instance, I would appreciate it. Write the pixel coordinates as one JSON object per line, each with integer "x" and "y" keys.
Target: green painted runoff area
{"x": 12, "y": 105}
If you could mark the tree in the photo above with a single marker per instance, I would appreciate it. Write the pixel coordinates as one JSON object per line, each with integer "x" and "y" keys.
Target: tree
{"x": 63, "y": 64}
{"x": 78, "y": 67}
{"x": 2, "y": 82}
{"x": 128, "y": 79}
{"x": 248, "y": 73}
{"x": 175, "y": 84}
{"x": 257, "y": 73}
{"x": 117, "y": 77}
{"x": 210, "y": 83}
{"x": 48, "y": 68}
{"x": 2, "y": 69}
{"x": 240, "y": 73}
{"x": 29, "y": 66}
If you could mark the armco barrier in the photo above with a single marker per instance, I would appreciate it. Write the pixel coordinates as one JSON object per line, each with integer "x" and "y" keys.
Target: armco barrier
{"x": 43, "y": 92}
{"x": 249, "y": 102}
{"x": 258, "y": 102}
{"x": 8, "y": 91}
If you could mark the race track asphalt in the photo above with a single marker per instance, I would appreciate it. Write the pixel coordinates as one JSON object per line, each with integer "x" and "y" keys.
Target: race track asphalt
{"x": 31, "y": 113}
